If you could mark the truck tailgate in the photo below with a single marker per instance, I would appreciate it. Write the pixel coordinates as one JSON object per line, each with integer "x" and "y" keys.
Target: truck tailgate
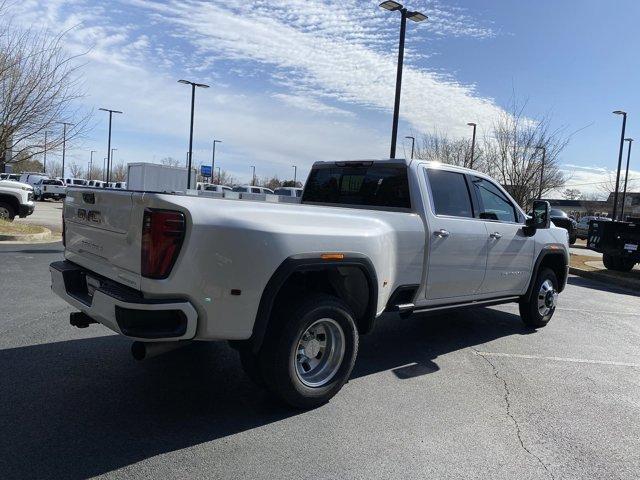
{"x": 103, "y": 233}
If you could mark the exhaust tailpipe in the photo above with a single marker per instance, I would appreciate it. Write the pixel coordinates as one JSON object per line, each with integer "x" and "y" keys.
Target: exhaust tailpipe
{"x": 142, "y": 350}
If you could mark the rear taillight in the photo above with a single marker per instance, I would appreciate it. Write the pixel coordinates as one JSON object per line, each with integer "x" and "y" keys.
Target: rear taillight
{"x": 162, "y": 235}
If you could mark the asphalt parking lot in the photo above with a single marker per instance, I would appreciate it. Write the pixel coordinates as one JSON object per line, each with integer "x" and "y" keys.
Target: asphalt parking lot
{"x": 48, "y": 214}
{"x": 471, "y": 394}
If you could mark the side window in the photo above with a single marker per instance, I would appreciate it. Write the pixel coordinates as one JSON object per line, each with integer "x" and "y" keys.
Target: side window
{"x": 494, "y": 205}
{"x": 255, "y": 190}
{"x": 450, "y": 193}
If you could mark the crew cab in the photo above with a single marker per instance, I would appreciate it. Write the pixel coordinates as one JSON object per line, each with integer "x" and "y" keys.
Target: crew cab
{"x": 16, "y": 198}
{"x": 49, "y": 188}
{"x": 293, "y": 286}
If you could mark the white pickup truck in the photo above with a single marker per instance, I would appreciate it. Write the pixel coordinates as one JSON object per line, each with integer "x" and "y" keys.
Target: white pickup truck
{"x": 292, "y": 286}
{"x": 16, "y": 199}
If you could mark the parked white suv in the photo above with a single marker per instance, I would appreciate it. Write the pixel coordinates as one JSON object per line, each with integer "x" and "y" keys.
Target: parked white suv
{"x": 294, "y": 285}
{"x": 16, "y": 199}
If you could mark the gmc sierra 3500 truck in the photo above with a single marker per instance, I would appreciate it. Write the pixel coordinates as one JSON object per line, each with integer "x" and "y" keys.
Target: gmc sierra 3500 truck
{"x": 292, "y": 286}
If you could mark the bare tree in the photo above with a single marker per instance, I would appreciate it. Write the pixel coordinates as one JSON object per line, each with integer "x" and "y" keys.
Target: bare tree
{"x": 437, "y": 146}
{"x": 118, "y": 173}
{"x": 39, "y": 84}
{"x": 95, "y": 172}
{"x": 512, "y": 154}
{"x": 571, "y": 194}
{"x": 76, "y": 171}
{"x": 54, "y": 168}
{"x": 225, "y": 178}
{"x": 171, "y": 162}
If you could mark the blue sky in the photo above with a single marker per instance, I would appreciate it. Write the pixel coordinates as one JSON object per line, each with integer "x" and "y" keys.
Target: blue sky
{"x": 297, "y": 81}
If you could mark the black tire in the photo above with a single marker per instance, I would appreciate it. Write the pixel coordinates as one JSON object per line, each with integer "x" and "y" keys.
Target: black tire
{"x": 616, "y": 263}
{"x": 529, "y": 311}
{"x": 279, "y": 354}
{"x": 7, "y": 212}
{"x": 611, "y": 262}
{"x": 572, "y": 240}
{"x": 626, "y": 265}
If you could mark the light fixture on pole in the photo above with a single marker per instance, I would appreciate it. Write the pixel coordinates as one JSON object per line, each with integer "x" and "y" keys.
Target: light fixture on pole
{"x": 473, "y": 143}
{"x": 544, "y": 156}
{"x": 413, "y": 143}
{"x": 193, "y": 99}
{"x": 111, "y": 112}
{"x": 615, "y": 195}
{"x": 416, "y": 17}
{"x": 213, "y": 157}
{"x": 626, "y": 176}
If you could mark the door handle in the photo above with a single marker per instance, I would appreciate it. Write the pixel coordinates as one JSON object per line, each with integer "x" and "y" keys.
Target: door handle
{"x": 496, "y": 235}
{"x": 442, "y": 233}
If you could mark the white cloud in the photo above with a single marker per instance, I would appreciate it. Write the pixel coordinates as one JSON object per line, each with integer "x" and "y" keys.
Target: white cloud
{"x": 326, "y": 71}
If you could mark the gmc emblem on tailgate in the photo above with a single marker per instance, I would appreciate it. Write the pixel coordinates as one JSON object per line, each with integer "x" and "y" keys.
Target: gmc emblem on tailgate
{"x": 94, "y": 216}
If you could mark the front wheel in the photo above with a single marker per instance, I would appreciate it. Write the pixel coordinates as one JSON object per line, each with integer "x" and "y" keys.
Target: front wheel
{"x": 308, "y": 359}
{"x": 7, "y": 212}
{"x": 539, "y": 308}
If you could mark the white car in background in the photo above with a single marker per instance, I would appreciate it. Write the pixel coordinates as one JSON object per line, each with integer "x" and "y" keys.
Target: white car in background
{"x": 252, "y": 189}
{"x": 288, "y": 191}
{"x": 32, "y": 178}
{"x": 96, "y": 183}
{"x": 75, "y": 182}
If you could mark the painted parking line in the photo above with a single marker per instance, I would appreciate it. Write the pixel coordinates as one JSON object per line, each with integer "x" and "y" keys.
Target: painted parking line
{"x": 558, "y": 359}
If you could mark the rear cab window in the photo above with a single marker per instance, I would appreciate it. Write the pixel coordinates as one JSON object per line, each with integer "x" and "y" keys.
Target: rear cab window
{"x": 364, "y": 184}
{"x": 450, "y": 193}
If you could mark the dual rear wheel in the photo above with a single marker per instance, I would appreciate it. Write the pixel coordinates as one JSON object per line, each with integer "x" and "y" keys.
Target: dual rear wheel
{"x": 309, "y": 355}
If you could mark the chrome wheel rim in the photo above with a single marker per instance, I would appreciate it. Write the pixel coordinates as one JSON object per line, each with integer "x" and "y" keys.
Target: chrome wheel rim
{"x": 4, "y": 213}
{"x": 319, "y": 352}
{"x": 547, "y": 298}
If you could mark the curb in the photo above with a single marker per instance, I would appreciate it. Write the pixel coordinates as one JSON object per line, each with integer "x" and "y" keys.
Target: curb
{"x": 26, "y": 237}
{"x": 604, "y": 277}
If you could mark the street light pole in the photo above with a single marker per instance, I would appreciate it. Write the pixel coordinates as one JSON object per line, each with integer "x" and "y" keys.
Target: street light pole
{"x": 193, "y": 100}
{"x": 253, "y": 175}
{"x": 90, "y": 164}
{"x": 213, "y": 157}
{"x": 295, "y": 174}
{"x": 64, "y": 143}
{"x": 111, "y": 163}
{"x": 615, "y": 195}
{"x": 416, "y": 17}
{"x": 473, "y": 143}
{"x": 104, "y": 169}
{"x": 111, "y": 112}
{"x": 44, "y": 162}
{"x": 626, "y": 177}
{"x": 544, "y": 156}
{"x": 413, "y": 142}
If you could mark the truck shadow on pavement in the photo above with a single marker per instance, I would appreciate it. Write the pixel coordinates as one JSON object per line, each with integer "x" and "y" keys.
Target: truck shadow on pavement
{"x": 80, "y": 408}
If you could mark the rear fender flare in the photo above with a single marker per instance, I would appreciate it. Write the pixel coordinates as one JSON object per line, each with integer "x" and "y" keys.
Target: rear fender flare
{"x": 306, "y": 262}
